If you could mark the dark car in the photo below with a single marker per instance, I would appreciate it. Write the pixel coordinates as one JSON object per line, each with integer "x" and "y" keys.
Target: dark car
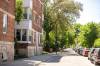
{"x": 80, "y": 51}
{"x": 96, "y": 56}
{"x": 90, "y": 54}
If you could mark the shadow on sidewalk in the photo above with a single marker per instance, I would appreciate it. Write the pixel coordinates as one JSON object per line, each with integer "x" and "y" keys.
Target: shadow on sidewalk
{"x": 34, "y": 61}
{"x": 37, "y": 60}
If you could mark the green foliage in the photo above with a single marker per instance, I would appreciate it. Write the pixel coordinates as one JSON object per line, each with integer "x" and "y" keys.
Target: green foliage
{"x": 97, "y": 43}
{"x": 63, "y": 40}
{"x": 19, "y": 10}
{"x": 58, "y": 17}
{"x": 98, "y": 30}
{"x": 70, "y": 38}
{"x": 87, "y": 35}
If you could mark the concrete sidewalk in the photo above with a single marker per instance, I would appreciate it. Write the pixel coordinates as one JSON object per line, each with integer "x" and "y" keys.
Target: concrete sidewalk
{"x": 33, "y": 61}
{"x": 38, "y": 60}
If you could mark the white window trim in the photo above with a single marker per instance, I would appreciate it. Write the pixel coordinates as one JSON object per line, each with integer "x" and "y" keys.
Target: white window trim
{"x": 5, "y": 22}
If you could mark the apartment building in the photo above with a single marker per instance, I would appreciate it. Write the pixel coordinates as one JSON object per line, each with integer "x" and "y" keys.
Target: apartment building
{"x": 28, "y": 32}
{"x": 7, "y": 9}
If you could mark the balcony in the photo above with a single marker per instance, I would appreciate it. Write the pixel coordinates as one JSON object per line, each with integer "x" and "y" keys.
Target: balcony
{"x": 27, "y": 3}
{"x": 24, "y": 24}
{"x": 23, "y": 36}
{"x": 23, "y": 31}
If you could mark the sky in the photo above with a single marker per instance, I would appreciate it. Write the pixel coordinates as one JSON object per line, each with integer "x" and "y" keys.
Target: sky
{"x": 91, "y": 11}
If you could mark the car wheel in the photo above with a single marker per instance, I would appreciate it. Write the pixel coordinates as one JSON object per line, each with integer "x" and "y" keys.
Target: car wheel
{"x": 95, "y": 63}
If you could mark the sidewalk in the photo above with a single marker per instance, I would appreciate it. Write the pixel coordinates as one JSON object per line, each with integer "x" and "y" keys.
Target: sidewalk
{"x": 38, "y": 60}
{"x": 33, "y": 61}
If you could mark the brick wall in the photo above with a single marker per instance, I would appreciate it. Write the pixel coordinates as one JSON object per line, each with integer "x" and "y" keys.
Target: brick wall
{"x": 7, "y": 40}
{"x": 37, "y": 14}
{"x": 8, "y": 7}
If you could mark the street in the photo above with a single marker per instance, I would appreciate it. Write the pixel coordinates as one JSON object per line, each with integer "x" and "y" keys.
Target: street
{"x": 66, "y": 58}
{"x": 69, "y": 58}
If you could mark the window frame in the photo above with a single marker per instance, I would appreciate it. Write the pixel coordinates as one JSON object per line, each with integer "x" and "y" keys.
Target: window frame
{"x": 24, "y": 37}
{"x": 5, "y": 23}
{"x": 18, "y": 39}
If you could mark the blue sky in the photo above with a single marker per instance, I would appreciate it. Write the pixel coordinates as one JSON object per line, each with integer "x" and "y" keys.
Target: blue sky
{"x": 91, "y": 11}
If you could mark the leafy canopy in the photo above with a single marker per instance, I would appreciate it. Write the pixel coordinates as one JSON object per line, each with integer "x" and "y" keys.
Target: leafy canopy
{"x": 19, "y": 10}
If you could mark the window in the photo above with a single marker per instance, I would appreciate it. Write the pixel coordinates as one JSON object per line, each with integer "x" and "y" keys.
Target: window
{"x": 25, "y": 13}
{"x": 38, "y": 39}
{"x": 18, "y": 34}
{"x": 21, "y": 35}
{"x": 24, "y": 35}
{"x": 30, "y": 35}
{"x": 30, "y": 14}
{"x": 4, "y": 23}
{"x": 35, "y": 37}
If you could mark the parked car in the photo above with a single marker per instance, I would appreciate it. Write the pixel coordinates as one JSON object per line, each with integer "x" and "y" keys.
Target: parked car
{"x": 80, "y": 51}
{"x": 96, "y": 56}
{"x": 75, "y": 49}
{"x": 90, "y": 54}
{"x": 85, "y": 52}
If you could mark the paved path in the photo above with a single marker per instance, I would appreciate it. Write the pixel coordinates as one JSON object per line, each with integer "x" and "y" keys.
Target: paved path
{"x": 66, "y": 58}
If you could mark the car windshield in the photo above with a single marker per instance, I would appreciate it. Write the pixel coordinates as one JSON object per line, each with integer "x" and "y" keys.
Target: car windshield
{"x": 92, "y": 51}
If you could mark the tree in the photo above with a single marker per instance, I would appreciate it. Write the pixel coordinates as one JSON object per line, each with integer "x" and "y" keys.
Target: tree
{"x": 19, "y": 10}
{"x": 98, "y": 30}
{"x": 64, "y": 13}
{"x": 97, "y": 43}
{"x": 47, "y": 25}
{"x": 88, "y": 35}
{"x": 59, "y": 15}
{"x": 76, "y": 29}
{"x": 63, "y": 40}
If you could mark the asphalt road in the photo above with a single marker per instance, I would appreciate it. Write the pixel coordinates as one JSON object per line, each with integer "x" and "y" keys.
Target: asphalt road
{"x": 67, "y": 58}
